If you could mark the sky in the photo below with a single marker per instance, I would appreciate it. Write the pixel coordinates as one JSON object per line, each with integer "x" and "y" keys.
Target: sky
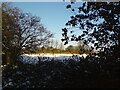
{"x": 53, "y": 15}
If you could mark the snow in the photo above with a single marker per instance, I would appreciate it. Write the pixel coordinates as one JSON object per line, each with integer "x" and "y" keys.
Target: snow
{"x": 52, "y": 55}
{"x": 34, "y": 58}
{"x": 18, "y": 72}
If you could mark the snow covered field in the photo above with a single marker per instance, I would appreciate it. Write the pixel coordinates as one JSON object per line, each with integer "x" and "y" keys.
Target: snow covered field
{"x": 34, "y": 58}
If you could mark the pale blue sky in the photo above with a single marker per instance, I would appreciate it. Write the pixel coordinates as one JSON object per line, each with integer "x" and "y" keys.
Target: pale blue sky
{"x": 53, "y": 15}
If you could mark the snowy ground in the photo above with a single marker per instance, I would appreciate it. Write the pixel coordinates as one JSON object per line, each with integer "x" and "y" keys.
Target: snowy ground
{"x": 34, "y": 58}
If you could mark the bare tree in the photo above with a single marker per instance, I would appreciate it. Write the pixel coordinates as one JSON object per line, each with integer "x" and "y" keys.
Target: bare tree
{"x": 21, "y": 31}
{"x": 61, "y": 46}
{"x": 31, "y": 32}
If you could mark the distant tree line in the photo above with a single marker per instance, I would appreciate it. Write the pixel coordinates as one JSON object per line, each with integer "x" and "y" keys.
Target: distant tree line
{"x": 56, "y": 48}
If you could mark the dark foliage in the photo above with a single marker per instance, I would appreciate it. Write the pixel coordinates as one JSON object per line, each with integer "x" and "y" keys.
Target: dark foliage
{"x": 89, "y": 72}
{"x": 98, "y": 22}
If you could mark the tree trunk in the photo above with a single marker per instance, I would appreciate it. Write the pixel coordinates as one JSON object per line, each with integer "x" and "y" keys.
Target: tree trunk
{"x": 9, "y": 59}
